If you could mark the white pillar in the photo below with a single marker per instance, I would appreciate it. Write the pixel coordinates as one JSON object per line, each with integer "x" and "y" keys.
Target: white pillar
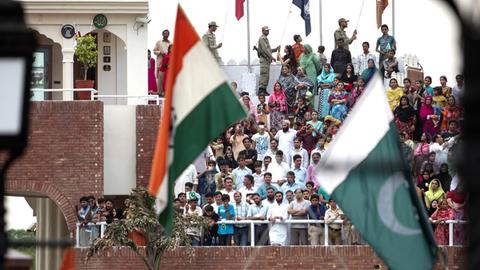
{"x": 137, "y": 73}
{"x": 68, "y": 54}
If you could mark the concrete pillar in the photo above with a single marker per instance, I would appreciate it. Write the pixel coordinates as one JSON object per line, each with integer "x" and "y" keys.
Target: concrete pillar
{"x": 68, "y": 54}
{"x": 50, "y": 225}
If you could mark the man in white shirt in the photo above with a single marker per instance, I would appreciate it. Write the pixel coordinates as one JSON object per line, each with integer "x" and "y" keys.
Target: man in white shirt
{"x": 193, "y": 231}
{"x": 241, "y": 212}
{"x": 298, "y": 209}
{"x": 248, "y": 188}
{"x": 261, "y": 142}
{"x": 258, "y": 211}
{"x": 285, "y": 139}
{"x": 278, "y": 212}
{"x": 362, "y": 60}
{"x": 228, "y": 188}
{"x": 299, "y": 150}
{"x": 278, "y": 168}
{"x": 189, "y": 175}
{"x": 270, "y": 197}
{"x": 272, "y": 151}
{"x": 240, "y": 172}
{"x": 334, "y": 229}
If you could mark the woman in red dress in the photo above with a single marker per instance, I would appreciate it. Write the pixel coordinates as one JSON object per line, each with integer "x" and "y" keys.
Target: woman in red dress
{"x": 152, "y": 82}
{"x": 164, "y": 66}
{"x": 442, "y": 214}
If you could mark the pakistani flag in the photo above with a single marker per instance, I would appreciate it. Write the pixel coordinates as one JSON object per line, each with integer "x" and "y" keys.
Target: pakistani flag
{"x": 364, "y": 171}
{"x": 199, "y": 105}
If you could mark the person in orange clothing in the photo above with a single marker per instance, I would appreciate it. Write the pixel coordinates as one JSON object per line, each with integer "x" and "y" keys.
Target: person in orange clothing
{"x": 297, "y": 47}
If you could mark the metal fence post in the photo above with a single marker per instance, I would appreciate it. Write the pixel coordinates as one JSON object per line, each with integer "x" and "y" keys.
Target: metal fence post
{"x": 252, "y": 234}
{"x": 450, "y": 233}
{"x": 77, "y": 244}
{"x": 325, "y": 241}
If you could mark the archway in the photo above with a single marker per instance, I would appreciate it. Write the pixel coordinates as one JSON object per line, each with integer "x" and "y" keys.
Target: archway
{"x": 111, "y": 72}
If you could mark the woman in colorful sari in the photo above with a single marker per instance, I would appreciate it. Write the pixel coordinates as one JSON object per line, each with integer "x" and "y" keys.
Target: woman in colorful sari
{"x": 405, "y": 117}
{"x": 442, "y": 214}
{"x": 435, "y": 193}
{"x": 368, "y": 73}
{"x": 311, "y": 63}
{"x": 278, "y": 106}
{"x": 357, "y": 92}
{"x": 428, "y": 117}
{"x": 456, "y": 200}
{"x": 451, "y": 112}
{"x": 288, "y": 83}
{"x": 338, "y": 101}
{"x": 325, "y": 80}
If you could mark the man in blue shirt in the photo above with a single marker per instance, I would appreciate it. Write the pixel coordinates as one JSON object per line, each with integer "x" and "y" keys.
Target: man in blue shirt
{"x": 316, "y": 211}
{"x": 267, "y": 182}
{"x": 226, "y": 211}
{"x": 258, "y": 211}
{"x": 291, "y": 185}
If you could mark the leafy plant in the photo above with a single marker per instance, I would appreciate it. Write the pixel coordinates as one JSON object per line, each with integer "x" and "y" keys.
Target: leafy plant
{"x": 140, "y": 216}
{"x": 86, "y": 52}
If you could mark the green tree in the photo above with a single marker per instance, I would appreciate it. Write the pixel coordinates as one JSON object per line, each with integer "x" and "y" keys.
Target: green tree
{"x": 140, "y": 216}
{"x": 86, "y": 52}
{"x": 23, "y": 235}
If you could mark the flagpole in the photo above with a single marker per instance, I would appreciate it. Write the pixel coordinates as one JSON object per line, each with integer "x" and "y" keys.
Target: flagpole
{"x": 393, "y": 18}
{"x": 248, "y": 36}
{"x": 320, "y": 15}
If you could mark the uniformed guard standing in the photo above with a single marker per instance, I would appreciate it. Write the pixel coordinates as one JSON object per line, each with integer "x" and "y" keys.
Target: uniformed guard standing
{"x": 210, "y": 40}
{"x": 265, "y": 54}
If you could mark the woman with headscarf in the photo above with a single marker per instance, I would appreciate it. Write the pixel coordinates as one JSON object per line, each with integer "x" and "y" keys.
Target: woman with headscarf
{"x": 368, "y": 73}
{"x": 451, "y": 112}
{"x": 288, "y": 82}
{"x": 278, "y": 106}
{"x": 349, "y": 78}
{"x": 430, "y": 121}
{"x": 325, "y": 80}
{"x": 420, "y": 154}
{"x": 444, "y": 177}
{"x": 457, "y": 199}
{"x": 442, "y": 214}
{"x": 435, "y": 192}
{"x": 311, "y": 63}
{"x": 405, "y": 116}
{"x": 338, "y": 101}
{"x": 303, "y": 84}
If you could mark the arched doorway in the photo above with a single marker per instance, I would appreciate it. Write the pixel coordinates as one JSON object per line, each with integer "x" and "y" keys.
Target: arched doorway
{"x": 47, "y": 68}
{"x": 110, "y": 74}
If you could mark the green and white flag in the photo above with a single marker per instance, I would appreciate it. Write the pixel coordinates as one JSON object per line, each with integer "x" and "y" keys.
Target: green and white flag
{"x": 364, "y": 171}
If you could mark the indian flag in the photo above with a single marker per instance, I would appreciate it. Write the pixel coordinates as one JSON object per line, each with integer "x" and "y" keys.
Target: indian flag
{"x": 364, "y": 171}
{"x": 199, "y": 105}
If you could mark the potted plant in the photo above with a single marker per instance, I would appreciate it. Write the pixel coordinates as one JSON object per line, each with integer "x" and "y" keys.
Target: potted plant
{"x": 86, "y": 53}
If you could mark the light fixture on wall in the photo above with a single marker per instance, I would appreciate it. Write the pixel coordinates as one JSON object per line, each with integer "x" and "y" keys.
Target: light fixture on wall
{"x": 140, "y": 22}
{"x": 17, "y": 44}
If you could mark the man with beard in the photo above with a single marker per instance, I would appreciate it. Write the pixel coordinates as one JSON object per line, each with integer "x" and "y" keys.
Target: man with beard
{"x": 278, "y": 212}
{"x": 285, "y": 139}
{"x": 258, "y": 211}
{"x": 270, "y": 199}
{"x": 272, "y": 151}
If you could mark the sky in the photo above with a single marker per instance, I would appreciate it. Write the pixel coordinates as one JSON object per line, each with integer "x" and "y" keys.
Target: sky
{"x": 425, "y": 28}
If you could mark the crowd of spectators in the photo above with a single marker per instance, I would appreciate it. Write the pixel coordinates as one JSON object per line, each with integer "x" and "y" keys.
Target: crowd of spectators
{"x": 262, "y": 167}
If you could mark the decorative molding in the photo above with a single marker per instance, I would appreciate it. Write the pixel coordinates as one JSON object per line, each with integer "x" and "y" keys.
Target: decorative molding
{"x": 85, "y": 7}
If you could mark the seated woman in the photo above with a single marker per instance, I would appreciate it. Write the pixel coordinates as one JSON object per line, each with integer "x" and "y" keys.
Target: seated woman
{"x": 434, "y": 193}
{"x": 451, "y": 112}
{"x": 338, "y": 102}
{"x": 442, "y": 214}
{"x": 349, "y": 78}
{"x": 428, "y": 118}
{"x": 277, "y": 102}
{"x": 325, "y": 81}
{"x": 303, "y": 84}
{"x": 301, "y": 108}
{"x": 368, "y": 73}
{"x": 357, "y": 92}
{"x": 456, "y": 200}
{"x": 405, "y": 117}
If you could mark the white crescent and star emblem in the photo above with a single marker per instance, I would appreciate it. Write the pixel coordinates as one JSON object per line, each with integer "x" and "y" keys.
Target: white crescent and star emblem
{"x": 386, "y": 207}
{"x": 306, "y": 9}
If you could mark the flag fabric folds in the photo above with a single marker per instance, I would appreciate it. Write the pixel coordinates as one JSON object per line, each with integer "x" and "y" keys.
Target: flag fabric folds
{"x": 239, "y": 12}
{"x": 381, "y": 6}
{"x": 199, "y": 105}
{"x": 304, "y": 6}
{"x": 364, "y": 171}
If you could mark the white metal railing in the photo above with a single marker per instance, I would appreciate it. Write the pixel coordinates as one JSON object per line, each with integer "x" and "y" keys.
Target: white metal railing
{"x": 102, "y": 225}
{"x": 252, "y": 223}
{"x": 38, "y": 91}
{"x": 144, "y": 98}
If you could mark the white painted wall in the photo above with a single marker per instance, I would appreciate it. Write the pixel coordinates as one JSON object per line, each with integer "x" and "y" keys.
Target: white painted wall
{"x": 119, "y": 149}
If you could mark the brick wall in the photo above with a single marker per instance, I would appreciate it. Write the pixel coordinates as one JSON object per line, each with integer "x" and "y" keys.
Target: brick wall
{"x": 213, "y": 258}
{"x": 148, "y": 119}
{"x": 64, "y": 158}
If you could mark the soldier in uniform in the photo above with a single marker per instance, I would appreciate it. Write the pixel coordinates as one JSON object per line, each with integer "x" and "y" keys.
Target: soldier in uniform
{"x": 210, "y": 40}
{"x": 265, "y": 54}
{"x": 341, "y": 34}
